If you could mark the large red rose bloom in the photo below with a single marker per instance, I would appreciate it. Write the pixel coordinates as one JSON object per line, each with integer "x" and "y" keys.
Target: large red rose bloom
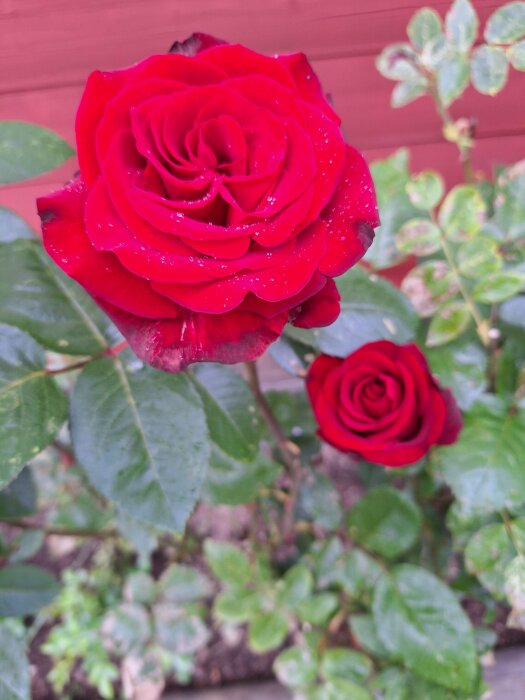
{"x": 382, "y": 403}
{"x": 216, "y": 201}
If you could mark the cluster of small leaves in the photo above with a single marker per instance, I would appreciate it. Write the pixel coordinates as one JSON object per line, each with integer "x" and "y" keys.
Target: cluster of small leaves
{"x": 442, "y": 58}
{"x": 407, "y": 625}
{"x": 467, "y": 288}
{"x": 471, "y": 251}
{"x": 153, "y": 629}
{"x": 80, "y": 606}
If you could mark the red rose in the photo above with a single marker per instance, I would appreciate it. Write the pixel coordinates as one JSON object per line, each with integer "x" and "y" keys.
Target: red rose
{"x": 382, "y": 403}
{"x": 216, "y": 201}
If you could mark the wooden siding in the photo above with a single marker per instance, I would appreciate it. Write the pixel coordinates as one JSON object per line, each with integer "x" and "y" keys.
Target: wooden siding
{"x": 48, "y": 47}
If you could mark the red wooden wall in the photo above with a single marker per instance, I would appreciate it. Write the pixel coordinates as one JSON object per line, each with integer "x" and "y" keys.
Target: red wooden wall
{"x": 48, "y": 47}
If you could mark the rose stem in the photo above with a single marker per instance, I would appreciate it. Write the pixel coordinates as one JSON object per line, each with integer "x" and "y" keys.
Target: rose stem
{"x": 289, "y": 452}
{"x": 464, "y": 150}
{"x": 61, "y": 531}
{"x": 111, "y": 352}
{"x": 481, "y": 323}
{"x": 483, "y": 327}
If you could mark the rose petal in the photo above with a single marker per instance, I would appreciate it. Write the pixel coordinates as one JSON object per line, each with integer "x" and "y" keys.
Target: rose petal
{"x": 173, "y": 344}
{"x": 272, "y": 284}
{"x": 99, "y": 90}
{"x": 308, "y": 83}
{"x": 100, "y": 274}
{"x": 453, "y": 419}
{"x": 317, "y": 373}
{"x": 194, "y": 44}
{"x": 350, "y": 216}
{"x": 321, "y": 309}
{"x": 236, "y": 60}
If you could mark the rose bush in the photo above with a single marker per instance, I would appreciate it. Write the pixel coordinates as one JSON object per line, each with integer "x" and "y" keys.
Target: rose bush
{"x": 216, "y": 201}
{"x": 382, "y": 403}
{"x": 361, "y": 579}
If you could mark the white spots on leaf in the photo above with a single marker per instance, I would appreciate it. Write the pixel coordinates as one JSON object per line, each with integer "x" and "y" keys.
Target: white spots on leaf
{"x": 390, "y": 326}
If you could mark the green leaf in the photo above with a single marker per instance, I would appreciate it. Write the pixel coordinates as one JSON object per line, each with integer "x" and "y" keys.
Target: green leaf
{"x": 297, "y": 585}
{"x": 423, "y": 690}
{"x": 398, "y": 62}
{"x": 140, "y": 588}
{"x": 371, "y": 309}
{"x": 484, "y": 468}
{"x": 390, "y": 178}
{"x": 37, "y": 297}
{"x": 19, "y": 498}
{"x": 463, "y": 212}
{"x": 385, "y": 521}
{"x": 392, "y": 684}
{"x": 425, "y": 189}
{"x": 451, "y": 320}
{"x": 14, "y": 666}
{"x": 267, "y": 631}
{"x": 26, "y": 545}
{"x": 143, "y": 538}
{"x": 424, "y": 26}
{"x": 296, "y": 667}
{"x": 32, "y": 408}
{"x": 509, "y": 202}
{"x": 490, "y": 551}
{"x": 348, "y": 664}
{"x": 24, "y": 589}
{"x": 418, "y": 237}
{"x": 364, "y": 630}
{"x": 82, "y": 511}
{"x": 478, "y": 257}
{"x": 429, "y": 284}
{"x": 461, "y": 24}
{"x": 513, "y": 312}
{"x": 294, "y": 414}
{"x": 142, "y": 440}
{"x": 184, "y": 584}
{"x": 177, "y": 631}
{"x": 506, "y": 24}
{"x": 126, "y": 628}
{"x": 486, "y": 639}
{"x": 233, "y": 421}
{"x": 435, "y": 52}
{"x": 319, "y": 501}
{"x": 27, "y": 150}
{"x": 326, "y": 555}
{"x": 290, "y": 355}
{"x": 498, "y": 286}
{"x": 233, "y": 482}
{"x": 452, "y": 76}
{"x": 227, "y": 563}
{"x": 462, "y": 367}
{"x": 489, "y": 69}
{"x": 516, "y": 55}
{"x": 420, "y": 621}
{"x": 318, "y": 609}
{"x": 407, "y": 91}
{"x": 237, "y": 468}
{"x": 237, "y": 605}
{"x": 339, "y": 688}
{"x": 13, "y": 227}
{"x": 515, "y": 590}
{"x": 356, "y": 573}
